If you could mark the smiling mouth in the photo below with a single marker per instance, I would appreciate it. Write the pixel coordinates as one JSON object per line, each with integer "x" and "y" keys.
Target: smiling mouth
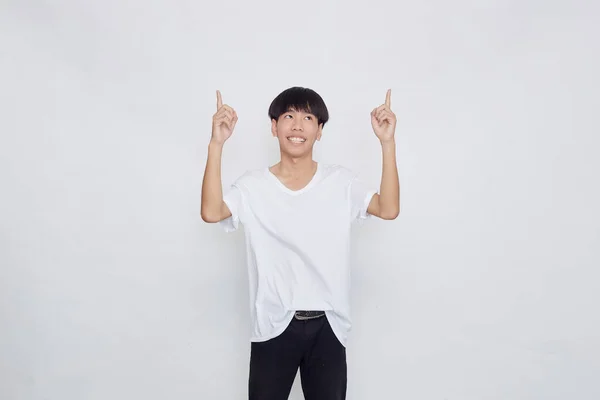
{"x": 296, "y": 139}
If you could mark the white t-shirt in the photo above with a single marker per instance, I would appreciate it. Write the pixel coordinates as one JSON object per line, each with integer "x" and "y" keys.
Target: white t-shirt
{"x": 298, "y": 245}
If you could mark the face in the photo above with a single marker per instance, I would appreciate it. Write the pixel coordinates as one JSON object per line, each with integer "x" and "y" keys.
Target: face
{"x": 297, "y": 132}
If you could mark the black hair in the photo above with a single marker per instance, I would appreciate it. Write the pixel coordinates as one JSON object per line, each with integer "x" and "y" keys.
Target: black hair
{"x": 299, "y": 99}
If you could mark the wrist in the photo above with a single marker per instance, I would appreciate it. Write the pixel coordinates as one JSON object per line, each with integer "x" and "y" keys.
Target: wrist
{"x": 388, "y": 142}
{"x": 215, "y": 145}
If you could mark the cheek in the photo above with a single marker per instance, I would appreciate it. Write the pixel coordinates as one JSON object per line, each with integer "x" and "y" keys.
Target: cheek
{"x": 314, "y": 133}
{"x": 284, "y": 127}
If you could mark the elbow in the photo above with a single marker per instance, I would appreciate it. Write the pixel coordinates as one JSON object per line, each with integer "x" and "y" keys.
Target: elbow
{"x": 390, "y": 215}
{"x": 389, "y": 209}
{"x": 208, "y": 217}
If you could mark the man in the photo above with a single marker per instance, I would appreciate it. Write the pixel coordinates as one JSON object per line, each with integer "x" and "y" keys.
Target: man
{"x": 297, "y": 216}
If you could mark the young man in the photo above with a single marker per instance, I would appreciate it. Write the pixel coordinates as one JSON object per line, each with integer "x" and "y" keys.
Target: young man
{"x": 297, "y": 216}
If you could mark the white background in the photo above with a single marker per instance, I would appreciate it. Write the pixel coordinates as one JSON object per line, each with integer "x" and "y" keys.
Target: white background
{"x": 485, "y": 287}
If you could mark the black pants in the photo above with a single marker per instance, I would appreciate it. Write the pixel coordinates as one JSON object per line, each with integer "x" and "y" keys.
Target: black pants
{"x": 309, "y": 345}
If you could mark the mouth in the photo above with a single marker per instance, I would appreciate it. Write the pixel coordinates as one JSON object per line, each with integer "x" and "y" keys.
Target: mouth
{"x": 296, "y": 139}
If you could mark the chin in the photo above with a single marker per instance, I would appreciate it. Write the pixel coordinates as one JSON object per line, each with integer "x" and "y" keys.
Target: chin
{"x": 297, "y": 152}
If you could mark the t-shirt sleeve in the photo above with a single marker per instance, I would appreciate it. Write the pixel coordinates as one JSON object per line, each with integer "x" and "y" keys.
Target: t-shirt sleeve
{"x": 360, "y": 196}
{"x": 233, "y": 199}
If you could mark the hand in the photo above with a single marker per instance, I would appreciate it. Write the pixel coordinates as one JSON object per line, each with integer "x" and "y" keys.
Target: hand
{"x": 224, "y": 121}
{"x": 383, "y": 120}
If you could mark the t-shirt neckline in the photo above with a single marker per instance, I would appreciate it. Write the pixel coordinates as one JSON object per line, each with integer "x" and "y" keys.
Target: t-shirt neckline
{"x": 284, "y": 188}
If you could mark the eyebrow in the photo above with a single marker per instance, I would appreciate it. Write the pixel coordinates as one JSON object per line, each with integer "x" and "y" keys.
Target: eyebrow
{"x": 299, "y": 111}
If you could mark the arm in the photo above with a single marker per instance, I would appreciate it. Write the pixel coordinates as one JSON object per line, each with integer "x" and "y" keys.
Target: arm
{"x": 213, "y": 208}
{"x": 386, "y": 204}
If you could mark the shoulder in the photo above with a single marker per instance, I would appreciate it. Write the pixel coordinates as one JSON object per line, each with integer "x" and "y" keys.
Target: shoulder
{"x": 250, "y": 178}
{"x": 339, "y": 172}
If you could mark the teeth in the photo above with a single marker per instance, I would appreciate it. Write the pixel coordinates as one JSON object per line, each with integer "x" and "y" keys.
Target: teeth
{"x": 296, "y": 139}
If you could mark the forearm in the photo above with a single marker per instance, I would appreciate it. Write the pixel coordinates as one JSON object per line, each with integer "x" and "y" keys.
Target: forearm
{"x": 389, "y": 191}
{"x": 212, "y": 187}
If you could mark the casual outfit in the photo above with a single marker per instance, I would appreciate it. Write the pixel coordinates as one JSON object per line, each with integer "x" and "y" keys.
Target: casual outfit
{"x": 298, "y": 255}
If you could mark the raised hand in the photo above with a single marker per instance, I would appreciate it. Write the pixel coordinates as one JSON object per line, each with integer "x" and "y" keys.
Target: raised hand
{"x": 383, "y": 119}
{"x": 224, "y": 121}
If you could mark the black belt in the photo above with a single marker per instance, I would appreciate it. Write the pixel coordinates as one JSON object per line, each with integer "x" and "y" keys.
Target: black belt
{"x": 304, "y": 315}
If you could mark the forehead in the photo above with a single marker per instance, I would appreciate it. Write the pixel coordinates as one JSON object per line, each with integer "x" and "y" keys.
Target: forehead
{"x": 294, "y": 110}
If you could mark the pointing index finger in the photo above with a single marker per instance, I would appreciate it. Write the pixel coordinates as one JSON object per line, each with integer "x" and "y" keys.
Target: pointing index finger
{"x": 219, "y": 100}
{"x": 388, "y": 98}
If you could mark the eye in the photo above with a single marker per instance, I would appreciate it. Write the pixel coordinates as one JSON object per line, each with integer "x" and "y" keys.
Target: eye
{"x": 309, "y": 117}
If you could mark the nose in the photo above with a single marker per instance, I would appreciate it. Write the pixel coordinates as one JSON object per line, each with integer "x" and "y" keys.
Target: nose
{"x": 297, "y": 126}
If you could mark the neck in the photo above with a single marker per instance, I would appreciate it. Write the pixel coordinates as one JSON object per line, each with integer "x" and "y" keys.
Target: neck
{"x": 296, "y": 166}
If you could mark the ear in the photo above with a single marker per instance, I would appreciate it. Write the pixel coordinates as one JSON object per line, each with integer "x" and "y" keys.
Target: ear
{"x": 320, "y": 132}
{"x": 274, "y": 127}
